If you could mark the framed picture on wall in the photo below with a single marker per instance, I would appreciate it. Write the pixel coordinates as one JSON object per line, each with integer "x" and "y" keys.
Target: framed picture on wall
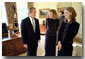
{"x": 43, "y": 13}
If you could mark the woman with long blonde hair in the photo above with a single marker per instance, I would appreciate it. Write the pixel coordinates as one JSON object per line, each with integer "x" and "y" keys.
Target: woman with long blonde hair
{"x": 52, "y": 24}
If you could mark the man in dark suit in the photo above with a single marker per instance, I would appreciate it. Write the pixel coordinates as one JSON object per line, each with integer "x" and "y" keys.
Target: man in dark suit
{"x": 30, "y": 32}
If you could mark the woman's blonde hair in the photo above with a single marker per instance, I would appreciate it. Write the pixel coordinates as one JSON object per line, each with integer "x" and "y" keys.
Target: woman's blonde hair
{"x": 54, "y": 13}
{"x": 74, "y": 14}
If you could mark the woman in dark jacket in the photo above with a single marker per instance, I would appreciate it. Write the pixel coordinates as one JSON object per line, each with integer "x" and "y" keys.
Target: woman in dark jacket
{"x": 67, "y": 32}
{"x": 52, "y": 24}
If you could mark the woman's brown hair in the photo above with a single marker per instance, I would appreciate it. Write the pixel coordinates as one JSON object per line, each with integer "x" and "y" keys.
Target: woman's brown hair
{"x": 74, "y": 14}
{"x": 54, "y": 13}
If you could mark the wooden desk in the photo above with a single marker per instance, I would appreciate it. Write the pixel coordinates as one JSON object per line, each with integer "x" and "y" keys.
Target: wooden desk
{"x": 12, "y": 47}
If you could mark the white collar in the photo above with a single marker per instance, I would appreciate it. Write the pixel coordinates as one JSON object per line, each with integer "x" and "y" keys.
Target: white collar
{"x": 31, "y": 19}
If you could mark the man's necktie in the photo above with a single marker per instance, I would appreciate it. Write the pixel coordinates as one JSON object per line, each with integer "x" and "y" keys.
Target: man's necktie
{"x": 33, "y": 24}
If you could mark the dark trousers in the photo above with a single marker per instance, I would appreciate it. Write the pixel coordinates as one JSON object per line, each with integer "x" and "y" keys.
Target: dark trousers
{"x": 66, "y": 50}
{"x": 32, "y": 50}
